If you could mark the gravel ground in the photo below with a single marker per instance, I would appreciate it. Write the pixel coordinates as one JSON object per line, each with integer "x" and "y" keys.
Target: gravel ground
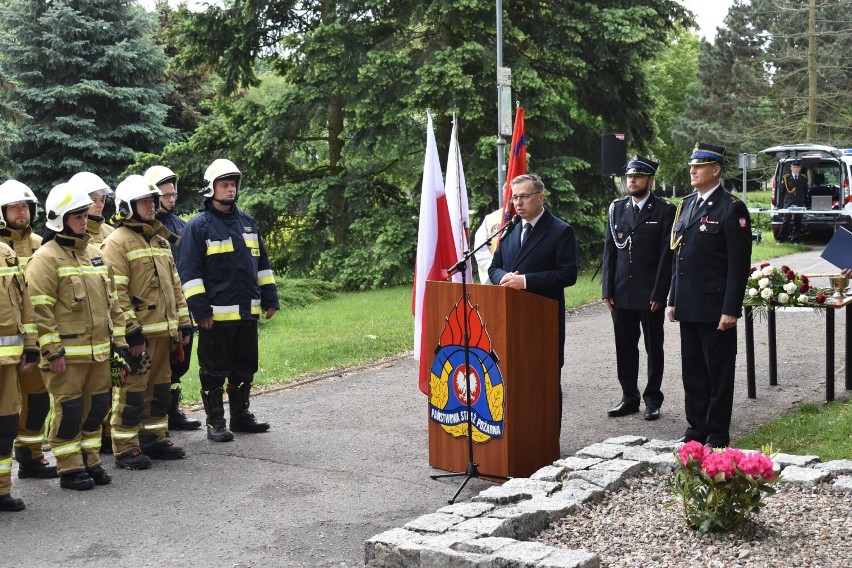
{"x": 642, "y": 525}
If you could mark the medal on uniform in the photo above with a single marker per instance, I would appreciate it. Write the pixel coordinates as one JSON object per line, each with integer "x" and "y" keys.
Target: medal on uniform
{"x": 703, "y": 222}
{"x": 620, "y": 235}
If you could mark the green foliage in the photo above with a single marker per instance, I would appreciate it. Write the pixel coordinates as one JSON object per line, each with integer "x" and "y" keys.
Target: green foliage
{"x": 824, "y": 430}
{"x": 330, "y": 122}
{"x": 302, "y": 292}
{"x": 88, "y": 76}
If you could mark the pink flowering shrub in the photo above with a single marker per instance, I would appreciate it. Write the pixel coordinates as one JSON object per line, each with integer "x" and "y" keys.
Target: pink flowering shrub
{"x": 720, "y": 488}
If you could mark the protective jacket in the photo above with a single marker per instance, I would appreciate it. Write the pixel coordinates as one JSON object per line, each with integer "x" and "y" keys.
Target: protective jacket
{"x": 97, "y": 227}
{"x": 171, "y": 222}
{"x": 74, "y": 299}
{"x": 17, "y": 327}
{"x": 23, "y": 242}
{"x": 224, "y": 267}
{"x": 146, "y": 278}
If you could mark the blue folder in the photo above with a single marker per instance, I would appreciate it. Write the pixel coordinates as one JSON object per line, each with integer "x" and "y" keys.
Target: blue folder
{"x": 838, "y": 251}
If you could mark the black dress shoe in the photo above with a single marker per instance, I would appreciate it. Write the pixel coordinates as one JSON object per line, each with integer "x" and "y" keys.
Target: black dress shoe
{"x": 652, "y": 412}
{"x": 622, "y": 409}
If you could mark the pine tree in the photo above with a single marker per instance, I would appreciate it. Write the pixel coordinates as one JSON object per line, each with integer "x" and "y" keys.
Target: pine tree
{"x": 90, "y": 78}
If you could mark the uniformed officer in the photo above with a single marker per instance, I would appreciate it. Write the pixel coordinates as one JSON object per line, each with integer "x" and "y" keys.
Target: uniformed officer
{"x": 18, "y": 355}
{"x": 635, "y": 280}
{"x": 711, "y": 239}
{"x": 156, "y": 317}
{"x": 794, "y": 188}
{"x": 228, "y": 282}
{"x": 167, "y": 182}
{"x": 79, "y": 322}
{"x": 18, "y": 209}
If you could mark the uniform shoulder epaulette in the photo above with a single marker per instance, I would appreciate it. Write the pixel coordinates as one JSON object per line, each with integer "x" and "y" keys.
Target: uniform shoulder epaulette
{"x": 734, "y": 198}
{"x": 622, "y": 198}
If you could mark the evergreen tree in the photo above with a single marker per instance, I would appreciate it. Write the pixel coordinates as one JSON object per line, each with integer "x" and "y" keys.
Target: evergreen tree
{"x": 89, "y": 76}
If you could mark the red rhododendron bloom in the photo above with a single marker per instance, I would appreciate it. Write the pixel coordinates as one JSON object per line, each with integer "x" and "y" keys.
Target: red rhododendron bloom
{"x": 757, "y": 465}
{"x": 694, "y": 450}
{"x": 716, "y": 463}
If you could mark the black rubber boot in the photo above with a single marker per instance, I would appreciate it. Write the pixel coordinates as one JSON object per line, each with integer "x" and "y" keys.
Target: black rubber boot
{"x": 106, "y": 442}
{"x": 241, "y": 419}
{"x": 30, "y": 468}
{"x": 215, "y": 409}
{"x": 165, "y": 450}
{"x": 97, "y": 473}
{"x": 177, "y": 419}
{"x": 78, "y": 481}
{"x": 133, "y": 459}
{"x": 9, "y": 503}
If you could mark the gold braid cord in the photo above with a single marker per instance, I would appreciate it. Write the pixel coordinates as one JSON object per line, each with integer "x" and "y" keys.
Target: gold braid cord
{"x": 674, "y": 241}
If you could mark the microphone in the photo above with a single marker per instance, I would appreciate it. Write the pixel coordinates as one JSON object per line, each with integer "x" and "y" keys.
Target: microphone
{"x": 513, "y": 222}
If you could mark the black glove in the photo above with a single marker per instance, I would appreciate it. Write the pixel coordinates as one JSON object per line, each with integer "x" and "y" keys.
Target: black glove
{"x": 118, "y": 369}
{"x": 138, "y": 365}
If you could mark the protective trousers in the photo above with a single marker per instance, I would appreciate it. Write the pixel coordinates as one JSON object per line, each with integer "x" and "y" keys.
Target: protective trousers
{"x": 227, "y": 351}
{"x": 139, "y": 407}
{"x": 79, "y": 398}
{"x": 179, "y": 368}
{"x": 35, "y": 404}
{"x": 8, "y": 423}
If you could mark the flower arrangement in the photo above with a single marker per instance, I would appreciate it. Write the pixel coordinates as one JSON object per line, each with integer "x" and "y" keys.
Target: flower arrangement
{"x": 769, "y": 288}
{"x": 719, "y": 488}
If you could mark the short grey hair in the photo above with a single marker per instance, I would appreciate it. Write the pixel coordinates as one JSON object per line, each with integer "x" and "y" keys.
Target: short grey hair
{"x": 536, "y": 181}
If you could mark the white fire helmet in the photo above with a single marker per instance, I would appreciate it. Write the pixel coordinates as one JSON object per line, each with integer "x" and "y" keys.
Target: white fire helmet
{"x": 61, "y": 200}
{"x": 13, "y": 192}
{"x": 161, "y": 174}
{"x": 90, "y": 183}
{"x": 219, "y": 169}
{"x": 132, "y": 188}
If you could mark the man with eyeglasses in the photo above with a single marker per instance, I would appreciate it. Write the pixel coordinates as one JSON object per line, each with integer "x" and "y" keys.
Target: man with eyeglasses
{"x": 167, "y": 182}
{"x": 541, "y": 257}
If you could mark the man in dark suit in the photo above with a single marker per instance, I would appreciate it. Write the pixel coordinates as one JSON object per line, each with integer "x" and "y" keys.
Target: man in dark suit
{"x": 637, "y": 272}
{"x": 794, "y": 187}
{"x": 711, "y": 239}
{"x": 541, "y": 257}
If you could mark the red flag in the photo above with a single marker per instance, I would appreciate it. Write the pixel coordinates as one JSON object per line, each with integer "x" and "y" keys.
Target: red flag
{"x": 517, "y": 164}
{"x": 435, "y": 250}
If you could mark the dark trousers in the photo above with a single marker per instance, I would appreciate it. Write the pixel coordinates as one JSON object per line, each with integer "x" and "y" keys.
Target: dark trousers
{"x": 709, "y": 361}
{"x": 627, "y": 325}
{"x": 227, "y": 351}
{"x": 796, "y": 221}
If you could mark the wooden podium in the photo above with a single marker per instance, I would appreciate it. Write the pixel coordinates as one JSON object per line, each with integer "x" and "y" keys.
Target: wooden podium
{"x": 523, "y": 331}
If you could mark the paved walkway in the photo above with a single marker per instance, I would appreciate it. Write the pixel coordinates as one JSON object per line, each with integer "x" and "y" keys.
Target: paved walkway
{"x": 347, "y": 458}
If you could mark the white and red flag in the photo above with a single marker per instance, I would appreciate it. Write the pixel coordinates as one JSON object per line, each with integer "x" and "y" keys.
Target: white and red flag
{"x": 435, "y": 249}
{"x": 457, "y": 202}
{"x": 517, "y": 164}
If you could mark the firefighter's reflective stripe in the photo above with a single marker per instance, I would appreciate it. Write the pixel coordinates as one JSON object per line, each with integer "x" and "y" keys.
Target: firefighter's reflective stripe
{"x": 162, "y": 425}
{"x": 184, "y": 311}
{"x": 119, "y": 331}
{"x": 130, "y": 314}
{"x": 192, "y": 287}
{"x": 226, "y": 313}
{"x": 5, "y": 466}
{"x": 159, "y": 326}
{"x": 120, "y": 433}
{"x": 147, "y": 253}
{"x": 255, "y": 307}
{"x": 65, "y": 449}
{"x": 265, "y": 277}
{"x": 219, "y": 247}
{"x": 121, "y": 279}
{"x": 63, "y": 271}
{"x": 91, "y": 442}
{"x": 30, "y": 328}
{"x": 48, "y": 338}
{"x": 42, "y": 300}
{"x": 11, "y": 345}
{"x": 9, "y": 271}
{"x": 80, "y": 350}
{"x": 29, "y": 439}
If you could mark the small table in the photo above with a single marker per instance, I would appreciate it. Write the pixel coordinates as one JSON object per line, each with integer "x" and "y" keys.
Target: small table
{"x": 831, "y": 304}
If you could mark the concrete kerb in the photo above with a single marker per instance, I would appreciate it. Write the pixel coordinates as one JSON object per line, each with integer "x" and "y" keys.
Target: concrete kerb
{"x": 495, "y": 528}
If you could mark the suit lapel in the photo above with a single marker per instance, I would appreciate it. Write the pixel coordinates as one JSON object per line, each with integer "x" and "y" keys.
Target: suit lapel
{"x": 538, "y": 233}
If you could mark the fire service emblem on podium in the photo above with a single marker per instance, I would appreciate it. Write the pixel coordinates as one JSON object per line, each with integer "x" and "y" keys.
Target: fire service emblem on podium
{"x": 447, "y": 385}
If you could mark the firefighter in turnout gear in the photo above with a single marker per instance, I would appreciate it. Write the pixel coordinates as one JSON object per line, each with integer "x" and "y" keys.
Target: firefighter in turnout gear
{"x": 18, "y": 209}
{"x": 149, "y": 292}
{"x": 79, "y": 323}
{"x": 18, "y": 356}
{"x": 166, "y": 181}
{"x": 228, "y": 282}
{"x": 98, "y": 191}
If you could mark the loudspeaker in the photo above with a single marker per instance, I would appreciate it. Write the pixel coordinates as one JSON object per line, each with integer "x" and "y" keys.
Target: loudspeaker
{"x": 613, "y": 153}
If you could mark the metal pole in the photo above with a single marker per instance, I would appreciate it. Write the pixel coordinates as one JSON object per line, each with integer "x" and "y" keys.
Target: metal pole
{"x": 745, "y": 178}
{"x": 501, "y": 142}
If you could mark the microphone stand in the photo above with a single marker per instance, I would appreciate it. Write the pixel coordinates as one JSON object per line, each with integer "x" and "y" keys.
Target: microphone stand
{"x": 472, "y": 469}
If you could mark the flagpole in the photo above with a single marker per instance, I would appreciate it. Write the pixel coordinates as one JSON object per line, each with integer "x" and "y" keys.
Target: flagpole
{"x": 501, "y": 142}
